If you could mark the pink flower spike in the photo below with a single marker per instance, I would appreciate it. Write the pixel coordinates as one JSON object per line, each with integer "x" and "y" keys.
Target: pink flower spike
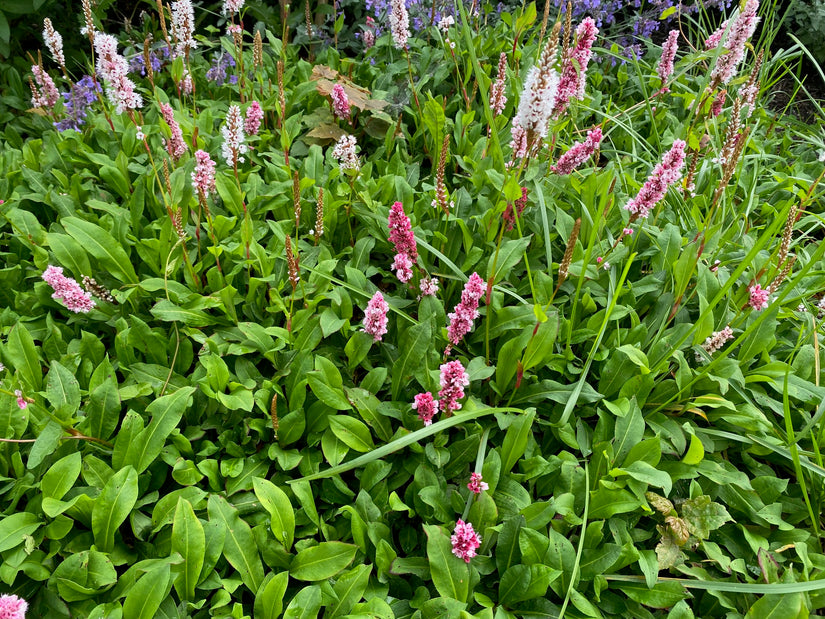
{"x": 113, "y": 69}
{"x": 21, "y": 404}
{"x": 426, "y": 406}
{"x": 340, "y": 102}
{"x": 254, "y": 116}
{"x": 578, "y": 153}
{"x": 664, "y": 174}
{"x": 233, "y": 137}
{"x": 665, "y": 68}
{"x": 175, "y": 146}
{"x": 627, "y": 231}
{"x": 759, "y": 298}
{"x": 68, "y": 290}
{"x": 461, "y": 318}
{"x": 727, "y": 62}
{"x": 203, "y": 178}
{"x": 375, "y": 316}
{"x": 399, "y": 23}
{"x": 13, "y": 607}
{"x": 453, "y": 380}
{"x": 476, "y": 485}
{"x": 497, "y": 97}
{"x": 465, "y": 540}
{"x": 574, "y": 69}
{"x": 402, "y": 265}
{"x": 44, "y": 94}
{"x": 428, "y": 286}
{"x": 401, "y": 234}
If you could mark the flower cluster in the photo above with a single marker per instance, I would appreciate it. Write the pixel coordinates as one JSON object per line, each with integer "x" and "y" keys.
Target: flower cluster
{"x": 716, "y": 340}
{"x": 233, "y": 137}
{"x": 401, "y": 236}
{"x": 497, "y": 97}
{"x": 578, "y": 153}
{"x": 156, "y": 58}
{"x": 738, "y": 35}
{"x": 340, "y": 102}
{"x": 183, "y": 27}
{"x": 368, "y": 35}
{"x": 461, "y": 318}
{"x": 572, "y": 80}
{"x": 68, "y": 290}
{"x": 218, "y": 71}
{"x": 465, "y": 540}
{"x": 426, "y": 406}
{"x": 537, "y": 99}
{"x": 476, "y": 485}
{"x": 399, "y": 24}
{"x": 203, "y": 178}
{"x": 344, "y": 153}
{"x": 509, "y": 216}
{"x": 113, "y": 69}
{"x": 44, "y": 93}
{"x": 12, "y": 607}
{"x": 428, "y": 286}
{"x": 175, "y": 145}
{"x": 254, "y": 116}
{"x": 665, "y": 66}
{"x": 54, "y": 42}
{"x": 375, "y": 316}
{"x": 453, "y": 380}
{"x": 759, "y": 297}
{"x": 22, "y": 404}
{"x": 230, "y": 7}
{"x": 76, "y": 102}
{"x": 664, "y": 174}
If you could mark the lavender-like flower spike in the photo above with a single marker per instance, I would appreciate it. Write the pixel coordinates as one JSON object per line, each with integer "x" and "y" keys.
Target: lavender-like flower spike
{"x": 665, "y": 67}
{"x": 497, "y": 97}
{"x": 664, "y": 174}
{"x": 399, "y": 23}
{"x": 375, "y": 317}
{"x": 183, "y": 27}
{"x": 233, "y": 146}
{"x": 175, "y": 145}
{"x": 54, "y": 42}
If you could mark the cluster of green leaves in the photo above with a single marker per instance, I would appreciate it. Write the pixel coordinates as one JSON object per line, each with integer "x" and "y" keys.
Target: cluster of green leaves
{"x": 217, "y": 442}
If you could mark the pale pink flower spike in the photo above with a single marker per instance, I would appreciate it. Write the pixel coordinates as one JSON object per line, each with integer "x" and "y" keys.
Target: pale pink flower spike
{"x": 375, "y": 317}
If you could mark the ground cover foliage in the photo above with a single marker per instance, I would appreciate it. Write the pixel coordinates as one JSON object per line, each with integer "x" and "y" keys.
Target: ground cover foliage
{"x": 220, "y": 421}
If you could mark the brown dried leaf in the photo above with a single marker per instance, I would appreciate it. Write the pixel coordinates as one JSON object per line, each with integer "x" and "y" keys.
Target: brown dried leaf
{"x": 659, "y": 503}
{"x": 357, "y": 95}
{"x": 327, "y": 131}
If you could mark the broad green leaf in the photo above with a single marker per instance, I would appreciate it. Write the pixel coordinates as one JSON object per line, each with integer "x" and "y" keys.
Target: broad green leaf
{"x": 169, "y": 312}
{"x": 103, "y": 247}
{"x": 450, "y": 575}
{"x": 507, "y": 547}
{"x": 62, "y": 390}
{"x": 103, "y": 410}
{"x": 788, "y": 606}
{"x": 45, "y": 444}
{"x": 305, "y": 605}
{"x": 326, "y": 384}
{"x": 506, "y": 258}
{"x": 166, "y": 413}
{"x": 644, "y": 472}
{"x": 322, "y": 561}
{"x": 663, "y": 595}
{"x": 352, "y": 432}
{"x": 82, "y": 575}
{"x": 20, "y": 350}
{"x": 60, "y": 477}
{"x": 189, "y": 541}
{"x": 15, "y": 527}
{"x": 350, "y": 588}
{"x": 605, "y": 503}
{"x": 239, "y": 546}
{"x": 276, "y": 502}
{"x": 69, "y": 253}
{"x": 515, "y": 440}
{"x": 269, "y": 601}
{"x": 526, "y": 582}
{"x": 147, "y": 594}
{"x": 696, "y": 452}
{"x": 703, "y": 515}
{"x": 413, "y": 346}
{"x": 113, "y": 505}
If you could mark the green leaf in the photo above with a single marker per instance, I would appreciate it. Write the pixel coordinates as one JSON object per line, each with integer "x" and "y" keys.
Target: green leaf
{"x": 23, "y": 356}
{"x": 414, "y": 344}
{"x": 147, "y": 594}
{"x": 450, "y": 575}
{"x": 62, "y": 390}
{"x": 60, "y": 477}
{"x": 113, "y": 505}
{"x": 269, "y": 601}
{"x": 188, "y": 540}
{"x": 15, "y": 527}
{"x": 352, "y": 432}
{"x": 169, "y": 312}
{"x": 788, "y": 606}
{"x": 239, "y": 546}
{"x": 605, "y": 503}
{"x": 69, "y": 253}
{"x": 166, "y": 413}
{"x": 305, "y": 604}
{"x": 507, "y": 257}
{"x": 83, "y": 574}
{"x": 103, "y": 409}
{"x": 647, "y": 474}
{"x": 349, "y": 588}
{"x": 327, "y": 385}
{"x": 45, "y": 444}
{"x": 103, "y": 247}
{"x": 703, "y": 515}
{"x": 276, "y": 502}
{"x": 663, "y": 595}
{"x": 322, "y": 561}
{"x": 515, "y": 440}
{"x": 696, "y": 452}
{"x": 526, "y": 582}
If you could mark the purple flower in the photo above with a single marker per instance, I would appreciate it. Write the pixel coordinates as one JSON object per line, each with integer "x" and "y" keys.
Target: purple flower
{"x": 465, "y": 540}
{"x": 375, "y": 317}
{"x": 76, "y": 102}
{"x": 218, "y": 71}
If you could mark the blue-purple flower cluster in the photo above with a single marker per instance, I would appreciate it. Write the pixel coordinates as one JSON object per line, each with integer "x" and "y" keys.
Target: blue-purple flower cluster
{"x": 156, "y": 59}
{"x": 218, "y": 71}
{"x": 77, "y": 102}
